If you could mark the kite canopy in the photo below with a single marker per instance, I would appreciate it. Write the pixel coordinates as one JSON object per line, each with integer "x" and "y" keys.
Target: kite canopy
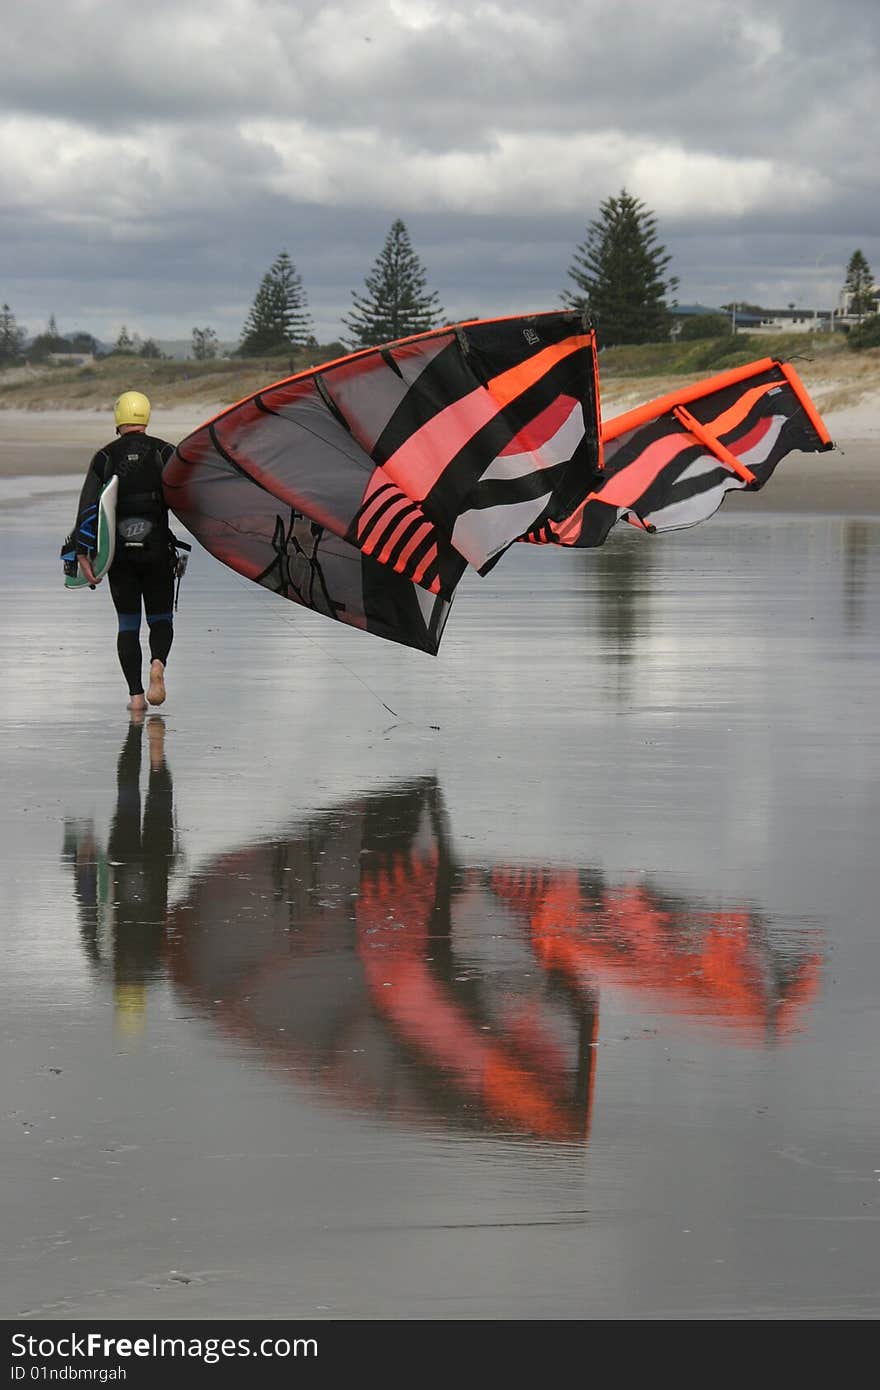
{"x": 363, "y": 488}
{"x": 668, "y": 464}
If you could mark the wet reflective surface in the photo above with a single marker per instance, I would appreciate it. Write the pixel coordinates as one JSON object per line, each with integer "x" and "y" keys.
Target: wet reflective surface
{"x": 537, "y": 980}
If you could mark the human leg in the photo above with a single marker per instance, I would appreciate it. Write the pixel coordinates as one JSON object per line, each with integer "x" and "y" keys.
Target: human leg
{"x": 158, "y": 587}
{"x": 125, "y": 591}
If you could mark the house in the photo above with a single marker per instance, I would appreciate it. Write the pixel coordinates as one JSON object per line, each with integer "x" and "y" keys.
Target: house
{"x": 759, "y": 321}
{"x": 680, "y": 312}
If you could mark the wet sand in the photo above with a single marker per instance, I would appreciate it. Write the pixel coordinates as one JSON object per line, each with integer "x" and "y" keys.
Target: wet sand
{"x": 537, "y": 980}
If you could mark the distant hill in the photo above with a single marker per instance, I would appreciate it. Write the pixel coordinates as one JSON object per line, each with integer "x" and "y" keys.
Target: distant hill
{"x": 181, "y": 348}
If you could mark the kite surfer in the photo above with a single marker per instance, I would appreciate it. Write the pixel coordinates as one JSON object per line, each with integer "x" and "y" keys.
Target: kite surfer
{"x": 145, "y": 559}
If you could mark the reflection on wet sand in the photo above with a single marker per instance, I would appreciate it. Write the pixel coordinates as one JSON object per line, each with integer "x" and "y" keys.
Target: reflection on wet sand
{"x": 122, "y": 892}
{"x": 860, "y": 542}
{"x": 359, "y": 954}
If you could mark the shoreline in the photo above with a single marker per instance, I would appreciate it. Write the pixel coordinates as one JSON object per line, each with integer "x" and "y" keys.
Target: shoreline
{"x": 39, "y": 446}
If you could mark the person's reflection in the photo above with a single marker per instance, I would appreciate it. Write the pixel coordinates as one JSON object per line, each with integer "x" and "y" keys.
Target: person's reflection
{"x": 359, "y": 953}
{"x": 122, "y": 893}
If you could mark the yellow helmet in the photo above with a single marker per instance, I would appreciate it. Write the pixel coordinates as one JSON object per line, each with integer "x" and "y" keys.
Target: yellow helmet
{"x": 130, "y": 1009}
{"x": 132, "y": 408}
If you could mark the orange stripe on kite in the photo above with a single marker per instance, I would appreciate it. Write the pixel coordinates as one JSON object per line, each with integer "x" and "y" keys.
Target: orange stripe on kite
{"x": 370, "y": 532}
{"x": 421, "y": 459}
{"x": 367, "y": 517}
{"x": 810, "y": 410}
{"x": 422, "y": 568}
{"x": 643, "y": 414}
{"x": 729, "y": 419}
{"x": 600, "y": 460}
{"x": 385, "y": 553}
{"x": 408, "y": 550}
{"x": 625, "y": 488}
{"x": 571, "y": 526}
{"x": 505, "y": 387}
{"x": 707, "y": 438}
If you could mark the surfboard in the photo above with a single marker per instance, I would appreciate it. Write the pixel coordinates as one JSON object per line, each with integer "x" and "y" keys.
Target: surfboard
{"x": 106, "y": 546}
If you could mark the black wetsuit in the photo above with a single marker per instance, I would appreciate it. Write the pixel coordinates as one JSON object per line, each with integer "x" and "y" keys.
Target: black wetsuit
{"x": 143, "y": 566}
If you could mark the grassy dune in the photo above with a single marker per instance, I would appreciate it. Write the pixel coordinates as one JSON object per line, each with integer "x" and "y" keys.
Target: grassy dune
{"x": 836, "y": 376}
{"x": 167, "y": 384}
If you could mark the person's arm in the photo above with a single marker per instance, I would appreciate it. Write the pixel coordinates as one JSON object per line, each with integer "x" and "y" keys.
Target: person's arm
{"x": 85, "y": 532}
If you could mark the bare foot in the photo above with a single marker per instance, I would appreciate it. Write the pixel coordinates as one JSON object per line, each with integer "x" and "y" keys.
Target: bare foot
{"x": 156, "y": 736}
{"x": 137, "y": 704}
{"x": 156, "y": 691}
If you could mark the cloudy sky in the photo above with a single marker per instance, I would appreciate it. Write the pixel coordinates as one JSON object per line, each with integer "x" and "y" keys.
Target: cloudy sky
{"x": 153, "y": 161}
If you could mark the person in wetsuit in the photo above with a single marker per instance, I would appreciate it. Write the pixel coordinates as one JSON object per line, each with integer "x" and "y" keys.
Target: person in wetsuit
{"x": 144, "y": 564}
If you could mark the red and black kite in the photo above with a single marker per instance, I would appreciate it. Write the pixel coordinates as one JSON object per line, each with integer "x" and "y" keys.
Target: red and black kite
{"x": 363, "y": 488}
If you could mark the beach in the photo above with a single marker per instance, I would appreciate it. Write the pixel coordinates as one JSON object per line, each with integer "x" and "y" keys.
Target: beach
{"x": 42, "y": 444}
{"x": 538, "y": 980}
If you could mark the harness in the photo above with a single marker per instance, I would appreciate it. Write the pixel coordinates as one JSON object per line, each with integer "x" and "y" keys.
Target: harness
{"x": 135, "y": 529}
{"x": 143, "y": 517}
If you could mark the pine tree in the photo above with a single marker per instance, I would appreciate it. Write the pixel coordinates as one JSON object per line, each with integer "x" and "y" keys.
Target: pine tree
{"x": 205, "y": 344}
{"x": 859, "y": 286}
{"x": 11, "y": 338}
{"x": 84, "y": 342}
{"x": 45, "y": 344}
{"x": 619, "y": 273}
{"x": 124, "y": 343}
{"x": 279, "y": 317}
{"x": 398, "y": 303}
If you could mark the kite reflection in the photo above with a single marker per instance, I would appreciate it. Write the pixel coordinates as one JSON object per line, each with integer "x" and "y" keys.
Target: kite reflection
{"x": 358, "y": 954}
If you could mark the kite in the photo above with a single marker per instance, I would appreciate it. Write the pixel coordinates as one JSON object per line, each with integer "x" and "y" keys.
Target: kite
{"x": 668, "y": 464}
{"x": 364, "y": 488}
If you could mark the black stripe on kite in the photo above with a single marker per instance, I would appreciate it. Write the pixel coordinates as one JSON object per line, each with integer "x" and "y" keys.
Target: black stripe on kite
{"x": 500, "y": 492}
{"x": 708, "y": 408}
{"x": 324, "y": 393}
{"x": 389, "y": 361}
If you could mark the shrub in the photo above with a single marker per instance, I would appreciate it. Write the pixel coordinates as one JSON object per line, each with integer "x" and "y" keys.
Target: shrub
{"x": 865, "y": 334}
{"x": 704, "y": 326}
{"x": 724, "y": 352}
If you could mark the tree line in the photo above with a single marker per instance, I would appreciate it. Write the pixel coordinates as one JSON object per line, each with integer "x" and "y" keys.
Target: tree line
{"x": 618, "y": 273}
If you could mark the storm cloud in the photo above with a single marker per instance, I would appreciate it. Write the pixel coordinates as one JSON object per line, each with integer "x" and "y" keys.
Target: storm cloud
{"x": 153, "y": 163}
